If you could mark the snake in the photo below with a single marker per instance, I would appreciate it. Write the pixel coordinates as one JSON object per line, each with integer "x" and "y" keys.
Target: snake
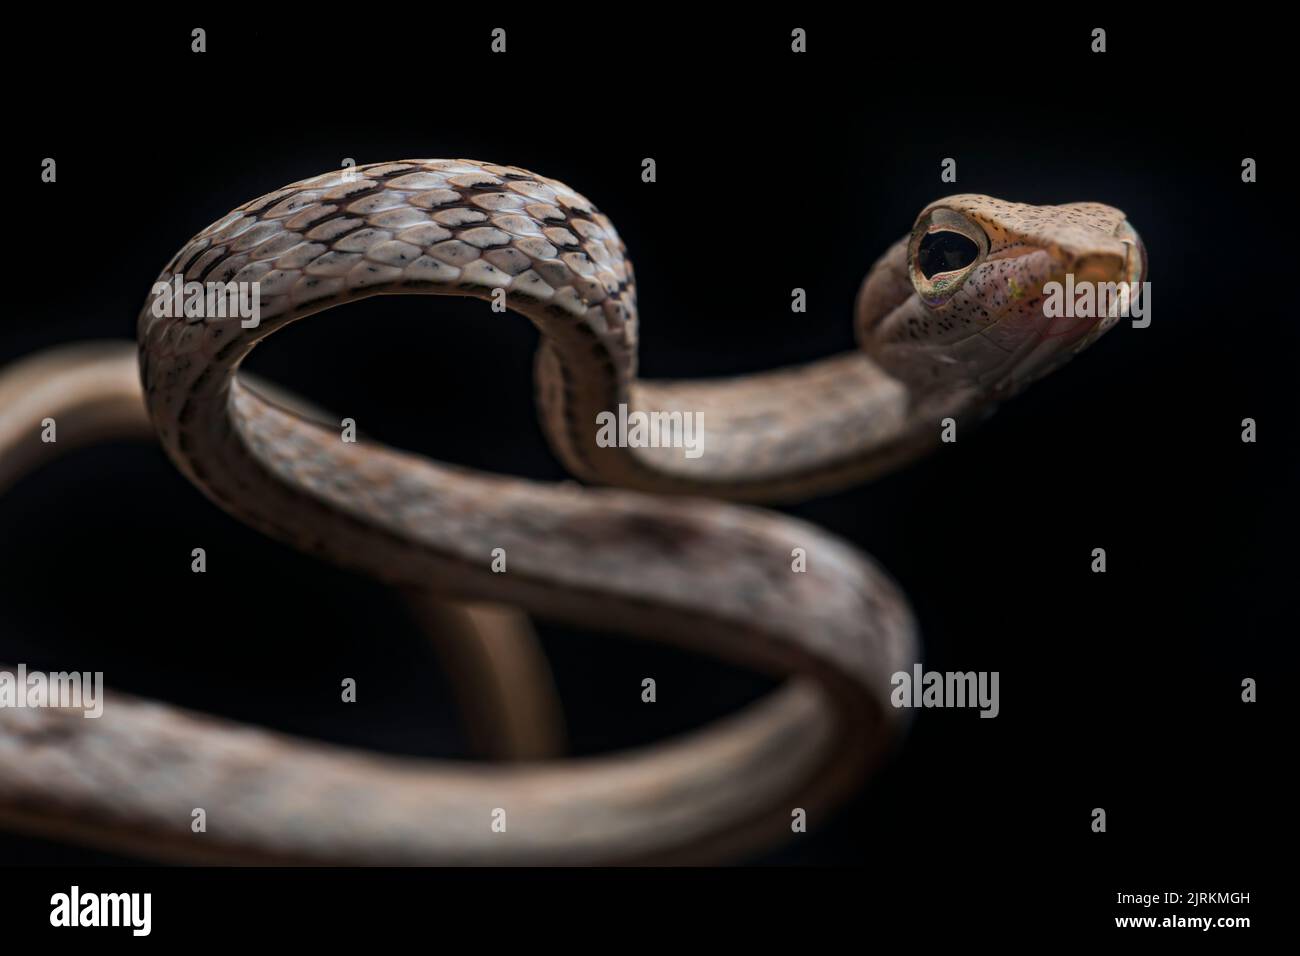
{"x": 653, "y": 542}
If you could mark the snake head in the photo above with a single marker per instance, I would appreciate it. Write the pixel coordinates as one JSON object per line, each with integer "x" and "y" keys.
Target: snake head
{"x": 999, "y": 292}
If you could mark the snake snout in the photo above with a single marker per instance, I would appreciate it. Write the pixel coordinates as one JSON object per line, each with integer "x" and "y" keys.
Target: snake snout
{"x": 1117, "y": 257}
{"x": 1100, "y": 267}
{"x": 1135, "y": 264}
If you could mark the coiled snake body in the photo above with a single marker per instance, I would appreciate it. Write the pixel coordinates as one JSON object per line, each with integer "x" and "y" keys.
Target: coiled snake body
{"x": 949, "y": 320}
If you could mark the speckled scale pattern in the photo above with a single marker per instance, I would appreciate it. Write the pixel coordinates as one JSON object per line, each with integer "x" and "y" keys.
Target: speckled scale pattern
{"x": 448, "y": 226}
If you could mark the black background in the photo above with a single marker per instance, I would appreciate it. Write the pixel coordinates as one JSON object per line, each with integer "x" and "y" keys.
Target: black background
{"x": 1119, "y": 690}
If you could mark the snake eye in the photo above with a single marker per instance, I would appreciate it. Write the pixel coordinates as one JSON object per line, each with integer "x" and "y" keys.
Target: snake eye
{"x": 944, "y": 248}
{"x": 945, "y": 251}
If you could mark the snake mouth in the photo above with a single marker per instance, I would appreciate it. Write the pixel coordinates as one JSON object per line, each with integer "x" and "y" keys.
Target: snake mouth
{"x": 1054, "y": 335}
{"x": 1069, "y": 334}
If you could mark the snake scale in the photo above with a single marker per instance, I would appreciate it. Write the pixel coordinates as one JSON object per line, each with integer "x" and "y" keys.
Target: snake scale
{"x": 949, "y": 320}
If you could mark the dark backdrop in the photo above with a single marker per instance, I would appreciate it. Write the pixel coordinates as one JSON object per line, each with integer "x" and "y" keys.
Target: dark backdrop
{"x": 1118, "y": 690}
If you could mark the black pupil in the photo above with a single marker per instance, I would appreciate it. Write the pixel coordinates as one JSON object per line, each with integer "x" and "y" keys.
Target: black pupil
{"x": 945, "y": 251}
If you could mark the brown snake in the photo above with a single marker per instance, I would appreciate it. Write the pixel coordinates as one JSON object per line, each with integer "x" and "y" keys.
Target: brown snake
{"x": 949, "y": 320}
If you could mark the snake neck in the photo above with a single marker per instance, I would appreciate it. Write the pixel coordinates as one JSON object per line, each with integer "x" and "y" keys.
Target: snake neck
{"x": 782, "y": 435}
{"x": 779, "y": 435}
